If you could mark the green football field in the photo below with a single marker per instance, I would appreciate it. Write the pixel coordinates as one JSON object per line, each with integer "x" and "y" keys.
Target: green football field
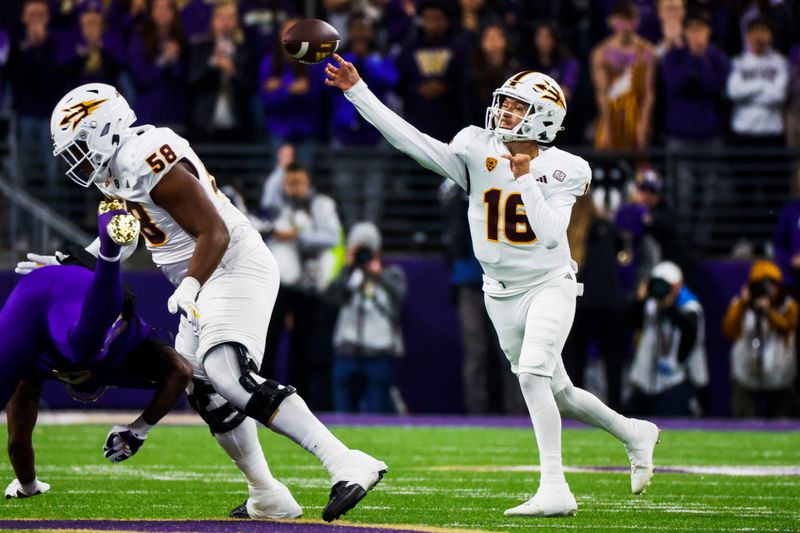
{"x": 461, "y": 478}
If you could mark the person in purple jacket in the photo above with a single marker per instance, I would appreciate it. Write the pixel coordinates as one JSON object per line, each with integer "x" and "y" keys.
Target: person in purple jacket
{"x": 352, "y": 172}
{"x": 431, "y": 66}
{"x": 291, "y": 95}
{"x": 156, "y": 67}
{"x": 786, "y": 240}
{"x": 694, "y": 78}
{"x": 72, "y": 324}
{"x": 97, "y": 56}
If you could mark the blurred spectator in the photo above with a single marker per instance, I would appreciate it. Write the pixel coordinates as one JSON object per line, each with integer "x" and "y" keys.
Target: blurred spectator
{"x": 648, "y": 26}
{"x": 694, "y": 77}
{"x": 757, "y": 87}
{"x": 492, "y": 63}
{"x": 786, "y": 241}
{"x": 430, "y": 68}
{"x": 306, "y": 231}
{"x": 660, "y": 221}
{"x": 291, "y": 94}
{"x": 595, "y": 243}
{"x": 219, "y": 79}
{"x": 359, "y": 180}
{"x": 262, "y": 21}
{"x": 125, "y": 16}
{"x": 670, "y": 15}
{"x": 35, "y": 90}
{"x": 487, "y": 385}
{"x": 780, "y": 14}
{"x": 398, "y": 20}
{"x": 367, "y": 338}
{"x": 97, "y": 57}
{"x": 669, "y": 366}
{"x": 761, "y": 322}
{"x": 156, "y": 67}
{"x": 623, "y": 72}
{"x": 196, "y": 19}
{"x": 477, "y": 14}
{"x": 793, "y": 113}
{"x": 552, "y": 57}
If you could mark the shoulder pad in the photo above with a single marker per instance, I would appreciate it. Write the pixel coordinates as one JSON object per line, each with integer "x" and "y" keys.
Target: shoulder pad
{"x": 150, "y": 154}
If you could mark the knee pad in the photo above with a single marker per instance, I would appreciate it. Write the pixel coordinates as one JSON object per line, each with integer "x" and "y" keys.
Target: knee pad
{"x": 266, "y": 398}
{"x": 220, "y": 419}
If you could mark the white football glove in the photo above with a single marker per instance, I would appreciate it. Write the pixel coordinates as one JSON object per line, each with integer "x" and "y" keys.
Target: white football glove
{"x": 36, "y": 261}
{"x": 122, "y": 443}
{"x": 184, "y": 299}
{"x": 15, "y": 490}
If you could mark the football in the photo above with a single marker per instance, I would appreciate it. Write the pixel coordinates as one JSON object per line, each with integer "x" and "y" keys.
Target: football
{"x": 311, "y": 41}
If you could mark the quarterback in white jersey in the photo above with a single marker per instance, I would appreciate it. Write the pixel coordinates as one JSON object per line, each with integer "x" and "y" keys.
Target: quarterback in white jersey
{"x": 226, "y": 284}
{"x": 520, "y": 199}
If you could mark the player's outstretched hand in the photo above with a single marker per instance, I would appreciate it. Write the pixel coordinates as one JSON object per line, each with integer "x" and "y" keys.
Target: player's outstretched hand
{"x": 122, "y": 443}
{"x": 344, "y": 76}
{"x": 520, "y": 164}
{"x": 36, "y": 261}
{"x": 15, "y": 490}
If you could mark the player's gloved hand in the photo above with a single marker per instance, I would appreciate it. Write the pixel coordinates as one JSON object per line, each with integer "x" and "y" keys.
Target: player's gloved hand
{"x": 15, "y": 489}
{"x": 184, "y": 299}
{"x": 122, "y": 443}
{"x": 36, "y": 261}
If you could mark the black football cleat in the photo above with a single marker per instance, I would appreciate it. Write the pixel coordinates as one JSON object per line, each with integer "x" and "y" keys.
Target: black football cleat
{"x": 240, "y": 512}
{"x": 344, "y": 497}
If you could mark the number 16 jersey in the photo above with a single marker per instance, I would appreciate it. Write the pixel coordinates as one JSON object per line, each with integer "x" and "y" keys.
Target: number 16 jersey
{"x": 142, "y": 160}
{"x": 504, "y": 242}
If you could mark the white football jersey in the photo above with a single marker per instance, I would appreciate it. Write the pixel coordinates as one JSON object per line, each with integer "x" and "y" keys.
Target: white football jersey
{"x": 518, "y": 226}
{"x": 140, "y": 163}
{"x": 504, "y": 242}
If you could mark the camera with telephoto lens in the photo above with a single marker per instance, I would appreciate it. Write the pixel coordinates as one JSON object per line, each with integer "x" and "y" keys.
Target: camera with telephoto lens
{"x": 658, "y": 288}
{"x": 363, "y": 256}
{"x": 758, "y": 289}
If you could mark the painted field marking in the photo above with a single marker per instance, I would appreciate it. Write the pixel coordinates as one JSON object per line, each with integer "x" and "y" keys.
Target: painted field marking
{"x": 719, "y": 470}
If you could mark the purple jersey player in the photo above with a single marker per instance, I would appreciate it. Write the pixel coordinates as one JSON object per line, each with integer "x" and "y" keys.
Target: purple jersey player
{"x": 68, "y": 323}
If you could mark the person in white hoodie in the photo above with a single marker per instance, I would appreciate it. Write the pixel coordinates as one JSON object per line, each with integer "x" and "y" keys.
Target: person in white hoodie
{"x": 757, "y": 88}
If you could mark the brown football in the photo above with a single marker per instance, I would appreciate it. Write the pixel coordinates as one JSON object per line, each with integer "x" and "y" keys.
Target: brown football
{"x": 311, "y": 40}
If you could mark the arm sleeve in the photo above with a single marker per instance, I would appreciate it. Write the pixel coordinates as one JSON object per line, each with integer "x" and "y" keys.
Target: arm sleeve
{"x": 94, "y": 250}
{"x": 432, "y": 154}
{"x": 325, "y": 232}
{"x": 270, "y": 196}
{"x": 739, "y": 88}
{"x": 785, "y": 320}
{"x": 732, "y": 322}
{"x": 774, "y": 92}
{"x": 688, "y": 323}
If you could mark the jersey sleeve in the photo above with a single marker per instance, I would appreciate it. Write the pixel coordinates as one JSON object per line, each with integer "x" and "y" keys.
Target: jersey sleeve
{"x": 151, "y": 156}
{"x": 430, "y": 153}
{"x": 581, "y": 179}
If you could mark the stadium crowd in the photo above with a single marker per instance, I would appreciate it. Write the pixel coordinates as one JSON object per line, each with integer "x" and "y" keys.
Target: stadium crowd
{"x": 698, "y": 74}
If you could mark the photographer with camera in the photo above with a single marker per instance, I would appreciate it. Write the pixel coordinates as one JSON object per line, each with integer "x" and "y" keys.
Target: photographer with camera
{"x": 762, "y": 324}
{"x": 669, "y": 369}
{"x": 367, "y": 337}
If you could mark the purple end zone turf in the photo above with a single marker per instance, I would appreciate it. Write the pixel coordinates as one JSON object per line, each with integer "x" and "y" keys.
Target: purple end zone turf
{"x": 178, "y": 526}
{"x": 705, "y": 424}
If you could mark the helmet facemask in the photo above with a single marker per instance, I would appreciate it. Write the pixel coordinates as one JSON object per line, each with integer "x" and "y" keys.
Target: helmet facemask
{"x": 84, "y": 165}
{"x": 494, "y": 115}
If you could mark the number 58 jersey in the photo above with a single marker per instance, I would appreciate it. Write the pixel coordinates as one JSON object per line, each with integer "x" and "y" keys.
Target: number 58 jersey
{"x": 504, "y": 242}
{"x": 141, "y": 162}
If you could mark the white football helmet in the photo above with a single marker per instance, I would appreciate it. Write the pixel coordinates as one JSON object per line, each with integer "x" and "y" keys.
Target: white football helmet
{"x": 547, "y": 107}
{"x": 86, "y": 127}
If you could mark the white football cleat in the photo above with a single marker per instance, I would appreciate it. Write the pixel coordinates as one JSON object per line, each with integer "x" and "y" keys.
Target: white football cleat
{"x": 549, "y": 500}
{"x": 640, "y": 453}
{"x": 355, "y": 474}
{"x": 277, "y": 502}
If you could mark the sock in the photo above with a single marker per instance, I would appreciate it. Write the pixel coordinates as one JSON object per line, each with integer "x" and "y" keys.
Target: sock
{"x": 546, "y": 424}
{"x": 294, "y": 420}
{"x": 242, "y": 446}
{"x": 585, "y": 407}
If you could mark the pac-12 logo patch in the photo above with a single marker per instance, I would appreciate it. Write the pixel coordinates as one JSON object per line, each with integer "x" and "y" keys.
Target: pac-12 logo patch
{"x": 491, "y": 163}
{"x": 559, "y": 175}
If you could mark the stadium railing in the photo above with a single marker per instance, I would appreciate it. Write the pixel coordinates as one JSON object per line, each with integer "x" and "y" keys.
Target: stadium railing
{"x": 720, "y": 198}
